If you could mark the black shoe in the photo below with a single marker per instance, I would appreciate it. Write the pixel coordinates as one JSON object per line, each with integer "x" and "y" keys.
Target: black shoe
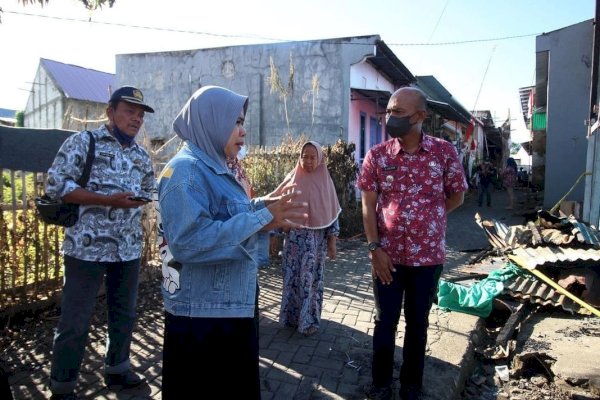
{"x": 63, "y": 396}
{"x": 410, "y": 393}
{"x": 126, "y": 380}
{"x": 378, "y": 393}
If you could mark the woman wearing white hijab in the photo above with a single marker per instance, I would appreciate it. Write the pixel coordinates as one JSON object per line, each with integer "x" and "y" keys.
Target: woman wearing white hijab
{"x": 217, "y": 237}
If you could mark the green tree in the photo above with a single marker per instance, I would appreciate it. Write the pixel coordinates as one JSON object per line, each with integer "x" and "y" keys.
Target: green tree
{"x": 89, "y": 4}
{"x": 514, "y": 148}
{"x": 20, "y": 117}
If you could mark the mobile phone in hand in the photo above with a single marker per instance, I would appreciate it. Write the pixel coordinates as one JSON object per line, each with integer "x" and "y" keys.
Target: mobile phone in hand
{"x": 140, "y": 198}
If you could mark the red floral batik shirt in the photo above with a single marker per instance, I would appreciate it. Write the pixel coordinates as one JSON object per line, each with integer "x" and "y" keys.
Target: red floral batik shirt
{"x": 412, "y": 191}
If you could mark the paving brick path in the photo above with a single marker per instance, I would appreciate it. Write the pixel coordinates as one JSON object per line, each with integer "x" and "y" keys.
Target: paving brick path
{"x": 332, "y": 364}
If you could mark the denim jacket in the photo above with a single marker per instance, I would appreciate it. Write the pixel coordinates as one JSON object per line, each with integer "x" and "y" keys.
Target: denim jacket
{"x": 212, "y": 231}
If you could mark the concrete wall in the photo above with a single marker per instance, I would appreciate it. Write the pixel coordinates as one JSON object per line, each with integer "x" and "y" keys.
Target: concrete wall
{"x": 569, "y": 76}
{"x": 318, "y": 105}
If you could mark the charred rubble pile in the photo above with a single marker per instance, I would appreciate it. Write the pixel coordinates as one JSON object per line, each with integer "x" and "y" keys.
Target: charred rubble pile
{"x": 550, "y": 264}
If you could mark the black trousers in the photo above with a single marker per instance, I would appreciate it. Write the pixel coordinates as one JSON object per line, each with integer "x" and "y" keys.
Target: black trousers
{"x": 418, "y": 286}
{"x": 210, "y": 358}
{"x": 5, "y": 391}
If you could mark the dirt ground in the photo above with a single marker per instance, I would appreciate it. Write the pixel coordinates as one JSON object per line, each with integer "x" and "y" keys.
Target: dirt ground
{"x": 528, "y": 372}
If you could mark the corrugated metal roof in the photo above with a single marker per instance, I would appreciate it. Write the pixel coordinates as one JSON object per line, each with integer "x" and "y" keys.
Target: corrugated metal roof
{"x": 6, "y": 113}
{"x": 532, "y": 252}
{"x": 538, "y": 292}
{"x": 447, "y": 111}
{"x": 438, "y": 93}
{"x": 381, "y": 97}
{"x": 386, "y": 61}
{"x": 538, "y": 121}
{"x": 534, "y": 257}
{"x": 525, "y": 93}
{"x": 552, "y": 242}
{"x": 80, "y": 83}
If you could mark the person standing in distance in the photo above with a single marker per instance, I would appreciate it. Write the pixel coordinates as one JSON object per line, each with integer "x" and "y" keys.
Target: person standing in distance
{"x": 105, "y": 245}
{"x": 409, "y": 185}
{"x": 509, "y": 179}
{"x": 485, "y": 173}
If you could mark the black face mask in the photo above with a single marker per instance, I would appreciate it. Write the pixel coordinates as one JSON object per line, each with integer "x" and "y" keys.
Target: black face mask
{"x": 123, "y": 138}
{"x": 398, "y": 126}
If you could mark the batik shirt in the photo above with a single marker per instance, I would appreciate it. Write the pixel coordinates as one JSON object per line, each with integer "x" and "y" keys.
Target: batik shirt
{"x": 411, "y": 203}
{"x": 103, "y": 233}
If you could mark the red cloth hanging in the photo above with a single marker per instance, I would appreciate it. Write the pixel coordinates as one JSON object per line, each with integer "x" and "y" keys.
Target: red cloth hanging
{"x": 470, "y": 129}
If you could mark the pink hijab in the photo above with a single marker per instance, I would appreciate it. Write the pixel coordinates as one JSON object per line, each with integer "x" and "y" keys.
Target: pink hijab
{"x": 317, "y": 190}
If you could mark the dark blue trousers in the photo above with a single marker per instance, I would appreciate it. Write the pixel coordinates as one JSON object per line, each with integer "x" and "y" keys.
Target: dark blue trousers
{"x": 418, "y": 287}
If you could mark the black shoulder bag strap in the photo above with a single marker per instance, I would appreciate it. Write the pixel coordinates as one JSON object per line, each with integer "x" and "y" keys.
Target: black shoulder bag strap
{"x": 89, "y": 160}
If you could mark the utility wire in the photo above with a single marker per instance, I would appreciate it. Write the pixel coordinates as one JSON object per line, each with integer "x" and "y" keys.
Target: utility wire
{"x": 138, "y": 26}
{"x": 466, "y": 41}
{"x": 89, "y": 21}
{"x": 483, "y": 79}
{"x": 438, "y": 21}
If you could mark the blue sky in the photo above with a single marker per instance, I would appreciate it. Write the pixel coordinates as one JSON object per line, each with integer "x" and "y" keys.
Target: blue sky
{"x": 413, "y": 30}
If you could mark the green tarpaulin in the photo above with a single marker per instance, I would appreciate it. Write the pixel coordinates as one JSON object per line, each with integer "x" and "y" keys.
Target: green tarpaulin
{"x": 477, "y": 299}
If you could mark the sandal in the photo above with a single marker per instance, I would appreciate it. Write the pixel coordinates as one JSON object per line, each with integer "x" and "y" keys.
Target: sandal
{"x": 310, "y": 331}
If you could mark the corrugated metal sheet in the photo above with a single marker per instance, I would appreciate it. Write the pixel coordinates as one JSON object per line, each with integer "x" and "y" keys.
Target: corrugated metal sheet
{"x": 537, "y": 292}
{"x": 552, "y": 241}
{"x": 538, "y": 121}
{"x": 80, "y": 83}
{"x": 386, "y": 61}
{"x": 437, "y": 92}
{"x": 6, "y": 113}
{"x": 534, "y": 257}
{"x": 530, "y": 244}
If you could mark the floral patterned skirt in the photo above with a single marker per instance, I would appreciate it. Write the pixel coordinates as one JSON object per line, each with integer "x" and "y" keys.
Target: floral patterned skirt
{"x": 304, "y": 253}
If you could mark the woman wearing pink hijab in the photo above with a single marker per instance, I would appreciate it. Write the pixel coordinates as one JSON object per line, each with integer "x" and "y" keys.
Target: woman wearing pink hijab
{"x": 305, "y": 249}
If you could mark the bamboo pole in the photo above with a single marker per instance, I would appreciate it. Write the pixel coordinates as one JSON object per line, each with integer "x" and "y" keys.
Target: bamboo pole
{"x": 521, "y": 263}
{"x": 557, "y": 205}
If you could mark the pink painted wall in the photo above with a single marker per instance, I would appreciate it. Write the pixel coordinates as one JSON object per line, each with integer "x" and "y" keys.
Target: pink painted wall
{"x": 359, "y": 106}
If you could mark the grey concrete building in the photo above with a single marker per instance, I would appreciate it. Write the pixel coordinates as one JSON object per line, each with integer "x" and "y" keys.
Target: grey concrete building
{"x": 562, "y": 90}
{"x": 322, "y": 88}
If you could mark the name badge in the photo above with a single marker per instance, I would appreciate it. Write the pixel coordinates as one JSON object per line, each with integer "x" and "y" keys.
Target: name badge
{"x": 105, "y": 154}
{"x": 390, "y": 168}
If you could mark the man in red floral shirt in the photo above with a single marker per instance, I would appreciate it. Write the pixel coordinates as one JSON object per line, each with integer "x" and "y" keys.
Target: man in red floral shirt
{"x": 409, "y": 184}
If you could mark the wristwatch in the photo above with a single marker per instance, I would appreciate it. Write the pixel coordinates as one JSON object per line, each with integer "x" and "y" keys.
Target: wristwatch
{"x": 374, "y": 245}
